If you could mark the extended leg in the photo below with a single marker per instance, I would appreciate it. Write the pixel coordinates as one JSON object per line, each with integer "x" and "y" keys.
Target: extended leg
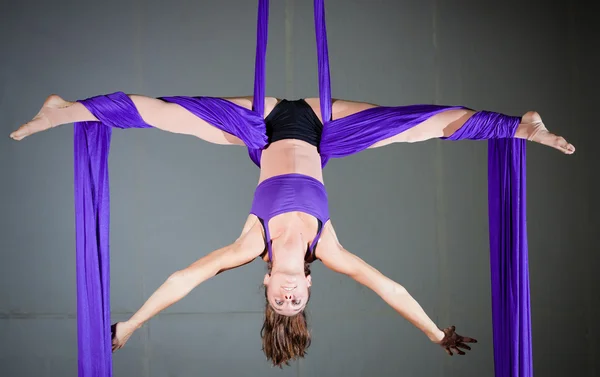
{"x": 445, "y": 124}
{"x": 357, "y": 126}
{"x": 160, "y": 114}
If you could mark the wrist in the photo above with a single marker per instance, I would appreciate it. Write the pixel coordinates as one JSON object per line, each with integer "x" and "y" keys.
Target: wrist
{"x": 436, "y": 336}
{"x": 133, "y": 325}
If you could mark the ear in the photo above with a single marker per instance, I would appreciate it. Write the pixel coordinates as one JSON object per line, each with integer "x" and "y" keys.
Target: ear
{"x": 266, "y": 279}
{"x": 309, "y": 280}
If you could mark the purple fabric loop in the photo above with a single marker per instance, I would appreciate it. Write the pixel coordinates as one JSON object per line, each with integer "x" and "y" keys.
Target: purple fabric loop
{"x": 115, "y": 110}
{"x": 486, "y": 125}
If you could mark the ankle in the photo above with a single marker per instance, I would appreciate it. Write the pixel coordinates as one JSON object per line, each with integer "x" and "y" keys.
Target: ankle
{"x": 523, "y": 131}
{"x": 68, "y": 112}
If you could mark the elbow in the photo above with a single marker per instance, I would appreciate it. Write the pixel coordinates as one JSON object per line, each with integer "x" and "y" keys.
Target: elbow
{"x": 181, "y": 283}
{"x": 399, "y": 290}
{"x": 394, "y": 290}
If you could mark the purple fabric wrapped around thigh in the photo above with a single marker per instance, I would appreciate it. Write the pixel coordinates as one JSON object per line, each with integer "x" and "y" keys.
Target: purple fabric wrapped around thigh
{"x": 247, "y": 125}
{"x": 357, "y": 132}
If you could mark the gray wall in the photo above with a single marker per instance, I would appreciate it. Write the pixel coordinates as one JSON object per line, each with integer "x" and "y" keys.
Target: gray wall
{"x": 418, "y": 212}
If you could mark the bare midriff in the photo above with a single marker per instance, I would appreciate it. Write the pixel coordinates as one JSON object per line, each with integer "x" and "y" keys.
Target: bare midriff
{"x": 290, "y": 156}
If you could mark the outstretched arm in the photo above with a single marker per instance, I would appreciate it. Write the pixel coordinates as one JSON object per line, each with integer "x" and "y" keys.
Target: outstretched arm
{"x": 335, "y": 257}
{"x": 246, "y": 248}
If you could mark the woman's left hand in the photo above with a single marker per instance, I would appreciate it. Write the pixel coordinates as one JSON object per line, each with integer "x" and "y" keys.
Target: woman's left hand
{"x": 452, "y": 342}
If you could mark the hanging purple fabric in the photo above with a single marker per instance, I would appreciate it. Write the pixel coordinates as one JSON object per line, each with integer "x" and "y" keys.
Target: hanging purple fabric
{"x": 92, "y": 199}
{"x": 341, "y": 137}
{"x": 352, "y": 134}
{"x": 92, "y": 219}
{"x": 92, "y": 205}
{"x": 511, "y": 311}
{"x": 260, "y": 74}
{"x": 322, "y": 60}
{"x": 92, "y": 143}
{"x": 507, "y": 212}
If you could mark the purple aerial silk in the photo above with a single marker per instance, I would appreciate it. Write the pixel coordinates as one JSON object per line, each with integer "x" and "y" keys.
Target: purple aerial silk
{"x": 92, "y": 143}
{"x": 92, "y": 226}
{"x": 225, "y": 115}
{"x": 511, "y": 311}
{"x": 341, "y": 137}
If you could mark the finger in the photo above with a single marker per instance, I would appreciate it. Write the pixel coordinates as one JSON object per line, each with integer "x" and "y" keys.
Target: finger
{"x": 448, "y": 351}
{"x": 449, "y": 330}
{"x": 458, "y": 351}
{"x": 466, "y": 339}
{"x": 462, "y": 345}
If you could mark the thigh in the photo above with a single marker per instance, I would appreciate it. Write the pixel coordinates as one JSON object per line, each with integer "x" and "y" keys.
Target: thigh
{"x": 439, "y": 125}
{"x": 175, "y": 115}
{"x": 357, "y": 126}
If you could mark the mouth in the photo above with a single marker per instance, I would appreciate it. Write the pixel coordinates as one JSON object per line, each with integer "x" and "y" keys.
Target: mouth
{"x": 289, "y": 288}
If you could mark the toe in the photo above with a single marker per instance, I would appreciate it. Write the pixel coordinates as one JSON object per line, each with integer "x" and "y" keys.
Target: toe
{"x": 563, "y": 145}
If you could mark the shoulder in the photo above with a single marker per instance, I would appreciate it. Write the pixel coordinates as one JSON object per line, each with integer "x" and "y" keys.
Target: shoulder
{"x": 335, "y": 256}
{"x": 328, "y": 246}
{"x": 251, "y": 239}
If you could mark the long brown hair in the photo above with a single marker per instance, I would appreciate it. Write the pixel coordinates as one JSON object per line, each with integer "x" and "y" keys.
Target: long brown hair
{"x": 285, "y": 338}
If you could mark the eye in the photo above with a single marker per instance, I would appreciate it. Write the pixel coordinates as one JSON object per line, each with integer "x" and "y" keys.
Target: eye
{"x": 296, "y": 302}
{"x": 278, "y": 302}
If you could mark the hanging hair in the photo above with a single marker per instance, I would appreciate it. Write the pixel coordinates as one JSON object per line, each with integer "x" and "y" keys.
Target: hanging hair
{"x": 284, "y": 338}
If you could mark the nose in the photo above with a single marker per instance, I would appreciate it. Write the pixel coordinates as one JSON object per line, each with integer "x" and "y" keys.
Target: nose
{"x": 288, "y": 296}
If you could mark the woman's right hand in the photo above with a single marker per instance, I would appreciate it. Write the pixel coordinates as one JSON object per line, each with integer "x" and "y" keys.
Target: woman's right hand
{"x": 121, "y": 332}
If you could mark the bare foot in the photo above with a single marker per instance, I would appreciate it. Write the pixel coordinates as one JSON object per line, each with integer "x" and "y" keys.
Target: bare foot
{"x": 45, "y": 119}
{"x": 533, "y": 129}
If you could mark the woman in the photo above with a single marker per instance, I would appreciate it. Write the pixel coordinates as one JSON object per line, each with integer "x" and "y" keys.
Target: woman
{"x": 289, "y": 225}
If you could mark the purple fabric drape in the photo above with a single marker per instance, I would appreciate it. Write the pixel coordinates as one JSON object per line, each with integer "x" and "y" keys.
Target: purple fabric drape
{"x": 225, "y": 115}
{"x": 322, "y": 60}
{"x": 92, "y": 199}
{"x": 354, "y": 133}
{"x": 92, "y": 218}
{"x": 260, "y": 74}
{"x": 341, "y": 137}
{"x": 92, "y": 144}
{"x": 509, "y": 266}
{"x": 507, "y": 211}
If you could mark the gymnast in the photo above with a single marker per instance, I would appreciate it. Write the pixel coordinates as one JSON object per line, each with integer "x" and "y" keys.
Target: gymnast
{"x": 289, "y": 225}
